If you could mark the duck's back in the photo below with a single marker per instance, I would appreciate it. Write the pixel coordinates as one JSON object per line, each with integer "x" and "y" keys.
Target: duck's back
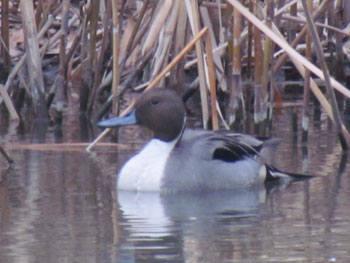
{"x": 207, "y": 161}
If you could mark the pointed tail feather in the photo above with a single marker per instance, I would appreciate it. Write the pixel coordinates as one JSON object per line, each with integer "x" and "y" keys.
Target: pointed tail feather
{"x": 273, "y": 174}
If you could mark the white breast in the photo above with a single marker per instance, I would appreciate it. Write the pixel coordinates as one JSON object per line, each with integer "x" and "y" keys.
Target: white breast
{"x": 144, "y": 171}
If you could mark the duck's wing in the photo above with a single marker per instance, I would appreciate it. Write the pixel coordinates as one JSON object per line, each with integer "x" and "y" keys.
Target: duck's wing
{"x": 231, "y": 147}
{"x": 222, "y": 145}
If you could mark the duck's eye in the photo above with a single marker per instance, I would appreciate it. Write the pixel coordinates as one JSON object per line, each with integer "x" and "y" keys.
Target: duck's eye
{"x": 155, "y": 101}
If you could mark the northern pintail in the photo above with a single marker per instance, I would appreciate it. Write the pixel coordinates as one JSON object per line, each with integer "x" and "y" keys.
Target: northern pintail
{"x": 185, "y": 160}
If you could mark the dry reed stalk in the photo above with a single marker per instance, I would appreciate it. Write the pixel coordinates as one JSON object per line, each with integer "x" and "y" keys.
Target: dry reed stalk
{"x": 221, "y": 32}
{"x": 298, "y": 61}
{"x": 188, "y": 47}
{"x": 296, "y": 58}
{"x": 127, "y": 34}
{"x": 177, "y": 58}
{"x": 346, "y": 8}
{"x": 291, "y": 29}
{"x": 116, "y": 43}
{"x": 236, "y": 97}
{"x": 62, "y": 67}
{"x": 20, "y": 63}
{"x": 250, "y": 42}
{"x": 267, "y": 63}
{"x": 141, "y": 16}
{"x": 218, "y": 50}
{"x": 84, "y": 88}
{"x": 339, "y": 72}
{"x": 302, "y": 20}
{"x": 5, "y": 37}
{"x": 101, "y": 55}
{"x": 7, "y": 157}
{"x": 217, "y": 57}
{"x": 212, "y": 86}
{"x": 258, "y": 64}
{"x": 8, "y": 102}
{"x": 33, "y": 60}
{"x": 284, "y": 7}
{"x": 144, "y": 28}
{"x": 193, "y": 14}
{"x": 39, "y": 13}
{"x": 337, "y": 119}
{"x": 158, "y": 22}
{"x": 279, "y": 4}
{"x": 313, "y": 86}
{"x": 281, "y": 60}
{"x": 288, "y": 49}
{"x": 165, "y": 40}
{"x": 306, "y": 97}
{"x": 95, "y": 7}
{"x": 177, "y": 76}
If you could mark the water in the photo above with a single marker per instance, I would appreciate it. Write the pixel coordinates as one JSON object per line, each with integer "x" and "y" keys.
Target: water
{"x": 59, "y": 204}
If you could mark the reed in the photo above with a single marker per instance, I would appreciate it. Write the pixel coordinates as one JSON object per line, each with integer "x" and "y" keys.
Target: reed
{"x": 258, "y": 64}
{"x": 321, "y": 8}
{"x": 116, "y": 30}
{"x": 6, "y": 156}
{"x": 5, "y": 38}
{"x": 235, "y": 107}
{"x": 8, "y": 102}
{"x": 337, "y": 119}
{"x": 306, "y": 99}
{"x": 212, "y": 86}
{"x": 192, "y": 10}
{"x": 33, "y": 60}
{"x": 62, "y": 74}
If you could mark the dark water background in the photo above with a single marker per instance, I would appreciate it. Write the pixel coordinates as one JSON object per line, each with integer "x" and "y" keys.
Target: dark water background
{"x": 59, "y": 204}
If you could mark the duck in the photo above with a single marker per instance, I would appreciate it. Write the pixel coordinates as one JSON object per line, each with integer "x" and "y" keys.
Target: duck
{"x": 180, "y": 160}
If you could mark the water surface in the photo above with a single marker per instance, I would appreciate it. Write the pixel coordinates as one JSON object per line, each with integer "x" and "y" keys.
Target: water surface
{"x": 59, "y": 204}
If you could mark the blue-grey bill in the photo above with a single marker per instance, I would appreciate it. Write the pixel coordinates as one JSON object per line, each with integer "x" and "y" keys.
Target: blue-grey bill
{"x": 129, "y": 119}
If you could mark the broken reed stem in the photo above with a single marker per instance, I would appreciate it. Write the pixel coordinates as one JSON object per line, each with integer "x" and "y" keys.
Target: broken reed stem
{"x": 281, "y": 60}
{"x": 62, "y": 67}
{"x": 268, "y": 82}
{"x": 7, "y": 157}
{"x": 235, "y": 104}
{"x": 284, "y": 8}
{"x": 313, "y": 86}
{"x": 20, "y": 63}
{"x": 258, "y": 67}
{"x": 155, "y": 81}
{"x": 250, "y": 42}
{"x": 201, "y": 70}
{"x": 177, "y": 58}
{"x": 306, "y": 97}
{"x": 33, "y": 60}
{"x": 212, "y": 86}
{"x": 99, "y": 69}
{"x": 219, "y": 68}
{"x": 177, "y": 75}
{"x": 337, "y": 119}
{"x": 8, "y": 102}
{"x": 164, "y": 44}
{"x": 291, "y": 28}
{"x": 288, "y": 49}
{"x": 5, "y": 35}
{"x": 136, "y": 27}
{"x": 303, "y": 21}
{"x": 299, "y": 61}
{"x": 116, "y": 44}
{"x": 266, "y": 62}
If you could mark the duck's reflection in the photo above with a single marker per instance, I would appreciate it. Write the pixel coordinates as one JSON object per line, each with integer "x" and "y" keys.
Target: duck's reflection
{"x": 185, "y": 226}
